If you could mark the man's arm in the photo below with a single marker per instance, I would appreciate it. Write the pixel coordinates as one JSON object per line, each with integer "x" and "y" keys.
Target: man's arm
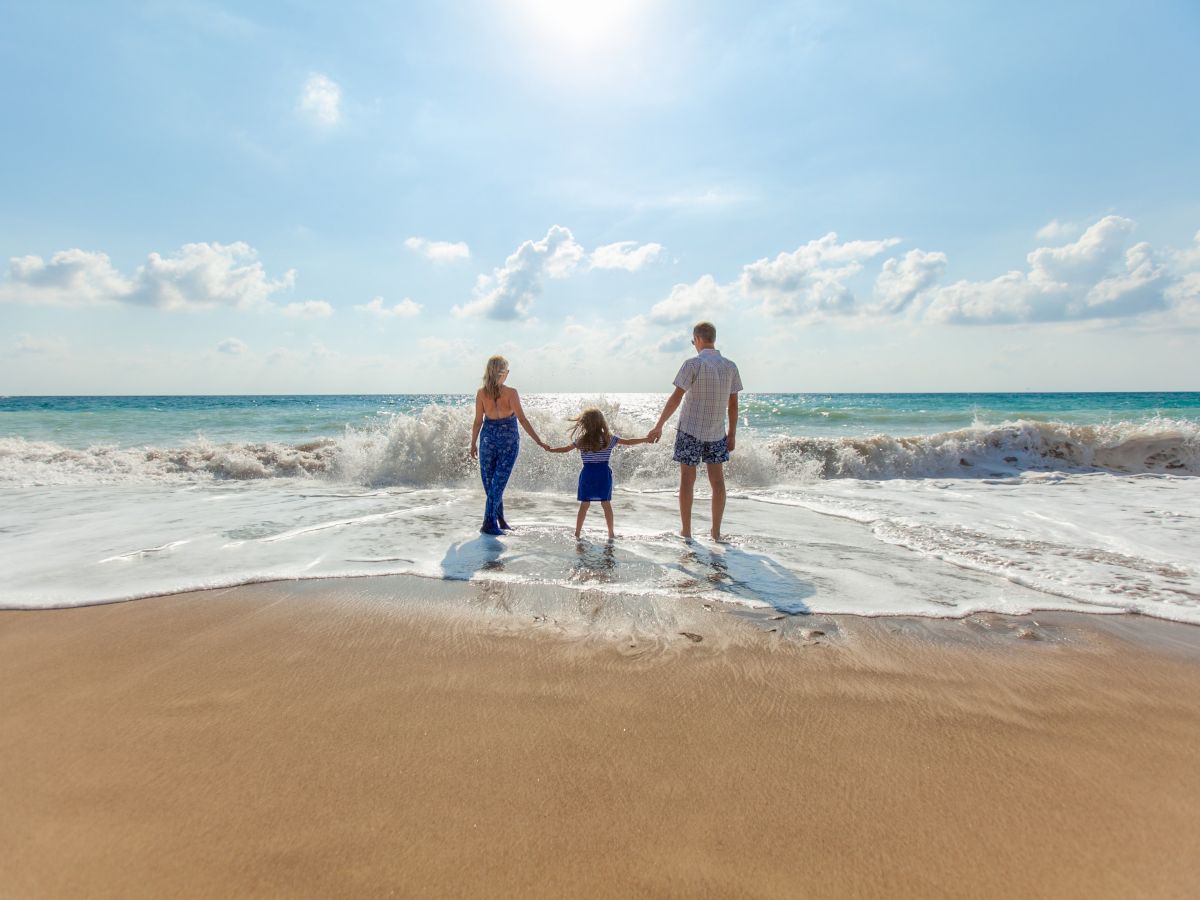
{"x": 733, "y": 421}
{"x": 655, "y": 433}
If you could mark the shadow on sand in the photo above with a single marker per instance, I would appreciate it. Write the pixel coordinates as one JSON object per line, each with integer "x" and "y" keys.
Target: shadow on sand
{"x": 748, "y": 576}
{"x": 479, "y": 554}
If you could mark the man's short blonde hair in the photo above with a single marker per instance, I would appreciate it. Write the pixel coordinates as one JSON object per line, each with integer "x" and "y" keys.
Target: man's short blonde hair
{"x": 706, "y": 331}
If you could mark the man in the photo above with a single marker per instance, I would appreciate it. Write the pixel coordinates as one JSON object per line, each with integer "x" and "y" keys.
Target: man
{"x": 707, "y": 385}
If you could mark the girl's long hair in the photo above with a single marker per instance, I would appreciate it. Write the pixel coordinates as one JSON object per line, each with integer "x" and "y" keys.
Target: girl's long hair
{"x": 496, "y": 367}
{"x": 589, "y": 430}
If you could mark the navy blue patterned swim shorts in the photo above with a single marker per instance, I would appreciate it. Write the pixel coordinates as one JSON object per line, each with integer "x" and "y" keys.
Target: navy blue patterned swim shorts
{"x": 692, "y": 451}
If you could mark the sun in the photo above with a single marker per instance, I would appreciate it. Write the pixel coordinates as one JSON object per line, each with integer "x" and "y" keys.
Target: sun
{"x": 580, "y": 27}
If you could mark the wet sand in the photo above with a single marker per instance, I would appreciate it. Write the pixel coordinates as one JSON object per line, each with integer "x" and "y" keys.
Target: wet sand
{"x": 408, "y": 738}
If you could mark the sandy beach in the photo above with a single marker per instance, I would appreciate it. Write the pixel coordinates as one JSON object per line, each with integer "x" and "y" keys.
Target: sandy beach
{"x": 399, "y": 737}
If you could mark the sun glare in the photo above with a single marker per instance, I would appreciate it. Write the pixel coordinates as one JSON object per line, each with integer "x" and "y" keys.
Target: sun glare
{"x": 580, "y": 26}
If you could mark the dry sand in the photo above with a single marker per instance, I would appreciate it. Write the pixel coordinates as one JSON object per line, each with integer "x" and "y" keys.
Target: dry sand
{"x": 281, "y": 740}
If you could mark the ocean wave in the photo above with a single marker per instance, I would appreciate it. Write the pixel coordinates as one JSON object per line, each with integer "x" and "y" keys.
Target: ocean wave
{"x": 429, "y": 448}
{"x": 1157, "y": 445}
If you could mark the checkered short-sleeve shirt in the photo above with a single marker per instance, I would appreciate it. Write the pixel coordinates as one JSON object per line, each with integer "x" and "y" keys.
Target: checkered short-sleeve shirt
{"x": 709, "y": 379}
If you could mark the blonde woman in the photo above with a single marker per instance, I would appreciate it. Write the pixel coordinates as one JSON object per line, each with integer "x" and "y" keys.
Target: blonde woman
{"x": 497, "y": 412}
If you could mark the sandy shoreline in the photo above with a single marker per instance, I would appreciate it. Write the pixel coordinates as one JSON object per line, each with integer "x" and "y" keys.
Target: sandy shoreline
{"x": 329, "y": 739}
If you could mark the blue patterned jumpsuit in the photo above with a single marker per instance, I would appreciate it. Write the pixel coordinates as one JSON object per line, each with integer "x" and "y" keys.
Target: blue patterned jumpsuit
{"x": 499, "y": 444}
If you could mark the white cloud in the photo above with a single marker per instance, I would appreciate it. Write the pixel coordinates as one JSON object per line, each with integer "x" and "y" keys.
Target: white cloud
{"x": 511, "y": 290}
{"x": 1087, "y": 258}
{"x": 900, "y": 281}
{"x": 571, "y": 328}
{"x": 450, "y": 352}
{"x": 321, "y": 100}
{"x": 71, "y": 277}
{"x": 1055, "y": 230}
{"x": 676, "y": 343}
{"x": 405, "y": 309}
{"x": 811, "y": 279}
{"x": 308, "y": 309}
{"x": 1184, "y": 293}
{"x": 627, "y": 255}
{"x": 27, "y": 344}
{"x": 438, "y": 251}
{"x": 233, "y": 346}
{"x": 695, "y": 301}
{"x": 198, "y": 276}
{"x": 1094, "y": 277}
{"x": 206, "y": 275}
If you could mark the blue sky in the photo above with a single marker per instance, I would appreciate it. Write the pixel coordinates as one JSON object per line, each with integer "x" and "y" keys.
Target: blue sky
{"x": 313, "y": 197}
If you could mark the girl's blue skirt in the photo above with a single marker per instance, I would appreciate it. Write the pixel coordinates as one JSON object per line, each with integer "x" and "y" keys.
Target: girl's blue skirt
{"x": 595, "y": 482}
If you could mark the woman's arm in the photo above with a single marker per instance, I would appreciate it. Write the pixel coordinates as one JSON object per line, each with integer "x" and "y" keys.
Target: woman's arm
{"x": 477, "y": 425}
{"x": 516, "y": 402}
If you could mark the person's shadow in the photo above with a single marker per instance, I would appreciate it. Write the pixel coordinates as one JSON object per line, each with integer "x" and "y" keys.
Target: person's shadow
{"x": 749, "y": 576}
{"x": 464, "y": 559}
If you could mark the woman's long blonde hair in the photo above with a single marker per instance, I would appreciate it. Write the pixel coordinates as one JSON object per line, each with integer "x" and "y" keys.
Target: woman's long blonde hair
{"x": 590, "y": 431}
{"x": 495, "y": 369}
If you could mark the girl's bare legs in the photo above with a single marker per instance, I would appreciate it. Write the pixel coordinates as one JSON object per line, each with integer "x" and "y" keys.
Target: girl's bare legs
{"x": 583, "y": 508}
{"x": 608, "y": 517}
{"x": 716, "y": 480}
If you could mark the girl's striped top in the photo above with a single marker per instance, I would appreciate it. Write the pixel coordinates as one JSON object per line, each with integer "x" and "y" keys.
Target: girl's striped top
{"x": 599, "y": 456}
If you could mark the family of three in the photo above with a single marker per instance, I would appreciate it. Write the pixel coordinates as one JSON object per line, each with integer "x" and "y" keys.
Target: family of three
{"x": 707, "y": 386}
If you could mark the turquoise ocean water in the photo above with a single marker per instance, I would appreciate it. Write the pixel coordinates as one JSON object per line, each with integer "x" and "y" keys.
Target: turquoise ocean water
{"x": 167, "y": 420}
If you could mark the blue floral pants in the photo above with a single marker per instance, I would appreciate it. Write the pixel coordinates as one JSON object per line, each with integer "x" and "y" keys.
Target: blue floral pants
{"x": 499, "y": 444}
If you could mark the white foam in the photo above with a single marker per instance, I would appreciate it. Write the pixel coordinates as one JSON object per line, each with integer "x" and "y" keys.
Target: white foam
{"x": 948, "y": 547}
{"x": 429, "y": 449}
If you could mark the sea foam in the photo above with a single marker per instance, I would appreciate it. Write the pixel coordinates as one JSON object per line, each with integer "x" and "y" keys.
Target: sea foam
{"x": 429, "y": 449}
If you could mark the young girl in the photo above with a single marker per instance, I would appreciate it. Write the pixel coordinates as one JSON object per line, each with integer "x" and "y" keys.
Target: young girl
{"x": 595, "y": 443}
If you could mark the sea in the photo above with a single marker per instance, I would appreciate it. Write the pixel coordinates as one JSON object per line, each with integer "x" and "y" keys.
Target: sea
{"x": 936, "y": 504}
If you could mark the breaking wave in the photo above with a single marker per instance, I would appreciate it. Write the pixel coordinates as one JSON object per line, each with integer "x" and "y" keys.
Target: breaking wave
{"x": 429, "y": 449}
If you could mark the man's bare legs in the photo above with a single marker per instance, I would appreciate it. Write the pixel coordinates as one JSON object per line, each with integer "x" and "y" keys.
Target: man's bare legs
{"x": 687, "y": 488}
{"x": 716, "y": 481}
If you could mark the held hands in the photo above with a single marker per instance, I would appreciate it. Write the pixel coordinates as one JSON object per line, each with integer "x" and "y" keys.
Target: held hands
{"x": 654, "y": 434}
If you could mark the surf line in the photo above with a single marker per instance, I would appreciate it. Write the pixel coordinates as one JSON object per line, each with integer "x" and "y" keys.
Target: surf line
{"x": 394, "y": 514}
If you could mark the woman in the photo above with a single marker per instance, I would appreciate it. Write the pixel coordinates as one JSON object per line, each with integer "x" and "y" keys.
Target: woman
{"x": 497, "y": 412}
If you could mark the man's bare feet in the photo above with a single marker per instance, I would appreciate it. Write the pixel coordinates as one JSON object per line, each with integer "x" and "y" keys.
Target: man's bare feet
{"x": 716, "y": 536}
